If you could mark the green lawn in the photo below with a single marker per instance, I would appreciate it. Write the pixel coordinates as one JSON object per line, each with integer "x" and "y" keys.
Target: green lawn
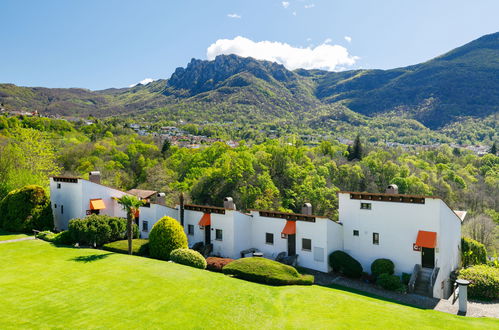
{"x": 43, "y": 286}
{"x": 5, "y": 236}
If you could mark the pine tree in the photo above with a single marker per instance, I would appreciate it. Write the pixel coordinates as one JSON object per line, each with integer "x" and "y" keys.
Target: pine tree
{"x": 493, "y": 149}
{"x": 166, "y": 146}
{"x": 357, "y": 151}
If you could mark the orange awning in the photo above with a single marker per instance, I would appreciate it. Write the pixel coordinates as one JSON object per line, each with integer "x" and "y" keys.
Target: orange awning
{"x": 97, "y": 204}
{"x": 205, "y": 220}
{"x": 427, "y": 239}
{"x": 136, "y": 213}
{"x": 290, "y": 228}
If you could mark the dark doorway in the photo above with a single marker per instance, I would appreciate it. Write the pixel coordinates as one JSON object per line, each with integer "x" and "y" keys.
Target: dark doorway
{"x": 291, "y": 245}
{"x": 428, "y": 257}
{"x": 207, "y": 235}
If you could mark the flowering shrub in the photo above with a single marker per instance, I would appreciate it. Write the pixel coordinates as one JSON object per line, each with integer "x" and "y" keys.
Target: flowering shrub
{"x": 216, "y": 264}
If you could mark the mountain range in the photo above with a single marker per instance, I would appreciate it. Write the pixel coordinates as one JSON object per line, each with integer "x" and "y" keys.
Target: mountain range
{"x": 463, "y": 83}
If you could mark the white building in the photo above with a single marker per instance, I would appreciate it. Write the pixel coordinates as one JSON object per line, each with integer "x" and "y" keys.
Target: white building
{"x": 420, "y": 234}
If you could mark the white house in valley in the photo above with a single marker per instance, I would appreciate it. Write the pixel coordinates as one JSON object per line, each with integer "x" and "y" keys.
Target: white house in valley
{"x": 420, "y": 234}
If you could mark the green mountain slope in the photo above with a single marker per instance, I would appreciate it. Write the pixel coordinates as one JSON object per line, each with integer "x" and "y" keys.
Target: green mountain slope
{"x": 459, "y": 85}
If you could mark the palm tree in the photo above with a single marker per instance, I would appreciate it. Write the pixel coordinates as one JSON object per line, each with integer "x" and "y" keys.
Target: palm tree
{"x": 131, "y": 205}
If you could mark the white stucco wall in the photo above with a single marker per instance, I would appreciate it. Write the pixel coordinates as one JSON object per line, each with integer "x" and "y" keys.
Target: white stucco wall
{"x": 242, "y": 233}
{"x": 262, "y": 225}
{"x": 91, "y": 190}
{"x": 192, "y": 218}
{"x": 152, "y": 214}
{"x": 397, "y": 224}
{"x": 317, "y": 232}
{"x": 69, "y": 196}
{"x": 334, "y": 239}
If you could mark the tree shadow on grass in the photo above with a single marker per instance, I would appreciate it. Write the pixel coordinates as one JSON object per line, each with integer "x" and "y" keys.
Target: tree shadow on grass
{"x": 90, "y": 258}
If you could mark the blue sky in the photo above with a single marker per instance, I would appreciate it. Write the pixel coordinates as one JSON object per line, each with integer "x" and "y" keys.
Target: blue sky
{"x": 98, "y": 44}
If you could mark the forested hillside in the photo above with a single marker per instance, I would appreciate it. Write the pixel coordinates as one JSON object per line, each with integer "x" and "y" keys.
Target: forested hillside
{"x": 279, "y": 174}
{"x": 416, "y": 104}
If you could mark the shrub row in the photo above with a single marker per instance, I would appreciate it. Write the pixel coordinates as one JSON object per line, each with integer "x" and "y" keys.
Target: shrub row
{"x": 217, "y": 264}
{"x": 484, "y": 281}
{"x": 140, "y": 247}
{"x": 25, "y": 209}
{"x": 188, "y": 257}
{"x": 262, "y": 270}
{"x": 344, "y": 263}
{"x": 63, "y": 238}
{"x": 99, "y": 229}
{"x": 382, "y": 266}
{"x": 389, "y": 282}
{"x": 473, "y": 252}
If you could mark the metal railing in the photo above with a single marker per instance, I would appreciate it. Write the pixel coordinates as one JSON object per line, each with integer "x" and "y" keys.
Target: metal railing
{"x": 433, "y": 278}
{"x": 414, "y": 277}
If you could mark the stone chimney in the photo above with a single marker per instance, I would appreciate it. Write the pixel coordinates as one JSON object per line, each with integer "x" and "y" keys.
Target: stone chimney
{"x": 392, "y": 189}
{"x": 94, "y": 177}
{"x": 160, "y": 198}
{"x": 306, "y": 209}
{"x": 229, "y": 203}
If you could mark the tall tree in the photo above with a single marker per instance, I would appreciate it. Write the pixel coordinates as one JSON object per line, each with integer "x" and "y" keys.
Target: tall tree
{"x": 493, "y": 149}
{"x": 166, "y": 146}
{"x": 356, "y": 151}
{"x": 131, "y": 205}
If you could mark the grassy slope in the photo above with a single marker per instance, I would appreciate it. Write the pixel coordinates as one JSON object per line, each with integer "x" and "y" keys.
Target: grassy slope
{"x": 45, "y": 286}
{"x": 5, "y": 236}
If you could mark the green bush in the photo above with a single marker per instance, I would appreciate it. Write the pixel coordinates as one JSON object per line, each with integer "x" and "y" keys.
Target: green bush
{"x": 63, "y": 238}
{"x": 99, "y": 229}
{"x": 382, "y": 266}
{"x": 140, "y": 247}
{"x": 25, "y": 209}
{"x": 188, "y": 257}
{"x": 484, "y": 281}
{"x": 166, "y": 235}
{"x": 472, "y": 252}
{"x": 262, "y": 270}
{"x": 344, "y": 263}
{"x": 389, "y": 282}
{"x": 406, "y": 278}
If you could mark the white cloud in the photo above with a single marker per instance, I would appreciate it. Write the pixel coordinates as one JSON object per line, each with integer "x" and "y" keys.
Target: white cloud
{"x": 325, "y": 56}
{"x": 312, "y": 5}
{"x": 349, "y": 39}
{"x": 328, "y": 41}
{"x": 285, "y": 4}
{"x": 143, "y": 82}
{"x": 233, "y": 15}
{"x": 294, "y": 13}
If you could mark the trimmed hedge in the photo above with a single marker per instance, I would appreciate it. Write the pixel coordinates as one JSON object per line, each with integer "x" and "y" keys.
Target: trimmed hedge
{"x": 166, "y": 235}
{"x": 344, "y": 263}
{"x": 382, "y": 266}
{"x": 217, "y": 264}
{"x": 389, "y": 282}
{"x": 262, "y": 270}
{"x": 99, "y": 229}
{"x": 472, "y": 252}
{"x": 25, "y": 209}
{"x": 484, "y": 281}
{"x": 63, "y": 238}
{"x": 188, "y": 257}
{"x": 140, "y": 247}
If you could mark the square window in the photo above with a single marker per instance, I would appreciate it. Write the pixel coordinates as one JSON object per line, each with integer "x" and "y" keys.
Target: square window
{"x": 355, "y": 233}
{"x": 145, "y": 226}
{"x": 218, "y": 234}
{"x": 269, "y": 238}
{"x": 190, "y": 229}
{"x": 365, "y": 206}
{"x": 376, "y": 238}
{"x": 306, "y": 244}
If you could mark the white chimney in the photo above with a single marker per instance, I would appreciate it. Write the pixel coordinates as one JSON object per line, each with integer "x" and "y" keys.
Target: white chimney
{"x": 160, "y": 198}
{"x": 94, "y": 177}
{"x": 229, "y": 203}
{"x": 392, "y": 189}
{"x": 306, "y": 209}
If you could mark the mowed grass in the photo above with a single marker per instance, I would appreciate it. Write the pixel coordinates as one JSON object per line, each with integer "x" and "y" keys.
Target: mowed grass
{"x": 43, "y": 286}
{"x": 5, "y": 235}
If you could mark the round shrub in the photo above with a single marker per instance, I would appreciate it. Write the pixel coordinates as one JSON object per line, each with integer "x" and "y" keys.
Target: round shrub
{"x": 344, "y": 263}
{"x": 166, "y": 235}
{"x": 389, "y": 282}
{"x": 25, "y": 209}
{"x": 262, "y": 270}
{"x": 217, "y": 264}
{"x": 472, "y": 252}
{"x": 484, "y": 281}
{"x": 382, "y": 266}
{"x": 188, "y": 257}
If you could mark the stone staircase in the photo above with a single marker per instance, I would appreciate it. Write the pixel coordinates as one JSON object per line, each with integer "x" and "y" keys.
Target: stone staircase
{"x": 423, "y": 282}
